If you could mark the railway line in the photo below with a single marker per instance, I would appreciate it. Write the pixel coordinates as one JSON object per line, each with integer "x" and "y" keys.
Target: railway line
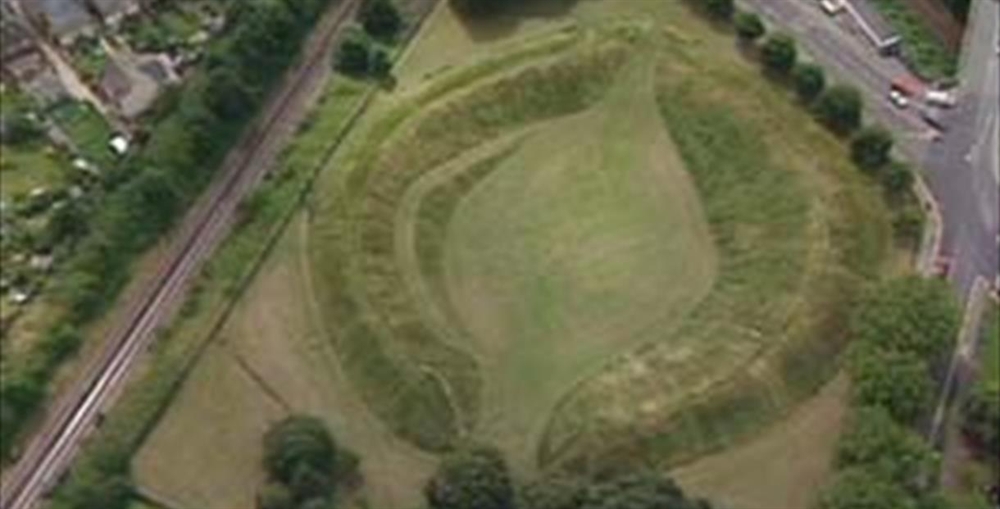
{"x": 76, "y": 412}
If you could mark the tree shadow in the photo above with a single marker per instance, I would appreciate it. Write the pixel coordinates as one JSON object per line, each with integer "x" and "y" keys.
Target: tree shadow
{"x": 504, "y": 20}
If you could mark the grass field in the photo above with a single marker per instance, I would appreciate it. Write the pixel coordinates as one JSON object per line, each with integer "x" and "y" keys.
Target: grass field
{"x": 593, "y": 237}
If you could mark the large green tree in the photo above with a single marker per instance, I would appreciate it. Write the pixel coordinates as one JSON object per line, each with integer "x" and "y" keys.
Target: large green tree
{"x": 857, "y": 488}
{"x": 884, "y": 448}
{"x": 639, "y": 491}
{"x": 779, "y": 53}
{"x": 810, "y": 80}
{"x": 897, "y": 381}
{"x": 840, "y": 108}
{"x": 381, "y": 19}
{"x": 871, "y": 148}
{"x": 749, "y": 26}
{"x": 474, "y": 477}
{"x": 910, "y": 314}
{"x": 298, "y": 444}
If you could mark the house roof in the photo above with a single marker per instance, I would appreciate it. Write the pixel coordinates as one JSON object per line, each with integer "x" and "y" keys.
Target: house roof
{"x": 64, "y": 17}
{"x": 114, "y": 82}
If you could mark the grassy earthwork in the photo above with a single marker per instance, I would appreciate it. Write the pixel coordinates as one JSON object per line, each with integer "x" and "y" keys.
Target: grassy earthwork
{"x": 604, "y": 240}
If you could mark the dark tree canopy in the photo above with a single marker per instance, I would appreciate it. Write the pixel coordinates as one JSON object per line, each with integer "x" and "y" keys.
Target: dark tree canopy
{"x": 857, "y": 488}
{"x": 779, "y": 53}
{"x": 897, "y": 381}
{"x": 381, "y": 19}
{"x": 749, "y": 26}
{"x": 897, "y": 178}
{"x": 552, "y": 494}
{"x": 297, "y": 444}
{"x": 810, "y": 80}
{"x": 840, "y": 108}
{"x": 909, "y": 314}
{"x": 883, "y": 447}
{"x": 721, "y": 9}
{"x": 472, "y": 478}
{"x": 871, "y": 148}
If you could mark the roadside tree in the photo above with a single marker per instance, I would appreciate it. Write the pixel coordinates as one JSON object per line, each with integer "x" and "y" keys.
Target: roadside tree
{"x": 720, "y": 9}
{"x": 898, "y": 382}
{"x": 779, "y": 53}
{"x": 749, "y": 26}
{"x": 871, "y": 148}
{"x": 381, "y": 19}
{"x": 810, "y": 80}
{"x": 840, "y": 109}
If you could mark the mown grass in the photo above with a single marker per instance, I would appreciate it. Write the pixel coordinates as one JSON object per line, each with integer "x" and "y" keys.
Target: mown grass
{"x": 926, "y": 54}
{"x": 424, "y": 389}
{"x": 177, "y": 349}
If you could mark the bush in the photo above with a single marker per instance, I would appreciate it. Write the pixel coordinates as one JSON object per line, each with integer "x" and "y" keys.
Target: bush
{"x": 358, "y": 56}
{"x": 779, "y": 53}
{"x": 749, "y": 26}
{"x": 981, "y": 417}
{"x": 871, "y": 148}
{"x": 810, "y": 80}
{"x": 840, "y": 109}
{"x": 471, "y": 478}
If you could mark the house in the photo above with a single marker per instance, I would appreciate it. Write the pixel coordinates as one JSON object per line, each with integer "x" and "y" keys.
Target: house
{"x": 114, "y": 85}
{"x": 112, "y": 12}
{"x": 62, "y": 20}
{"x": 875, "y": 27}
{"x": 16, "y": 43}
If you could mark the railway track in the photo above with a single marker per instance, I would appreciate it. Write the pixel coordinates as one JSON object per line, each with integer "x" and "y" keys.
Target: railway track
{"x": 76, "y": 412}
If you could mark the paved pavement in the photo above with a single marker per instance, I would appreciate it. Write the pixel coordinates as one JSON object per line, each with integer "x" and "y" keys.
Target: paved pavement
{"x": 960, "y": 168}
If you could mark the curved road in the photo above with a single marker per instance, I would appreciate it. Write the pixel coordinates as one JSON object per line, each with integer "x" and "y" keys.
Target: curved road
{"x": 74, "y": 414}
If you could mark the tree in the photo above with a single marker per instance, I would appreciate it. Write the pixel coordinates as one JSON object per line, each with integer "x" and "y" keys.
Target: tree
{"x": 857, "y": 488}
{"x": 471, "y": 478}
{"x": 275, "y": 496}
{"x": 840, "y": 109}
{"x": 981, "y": 417}
{"x": 381, "y": 19}
{"x": 18, "y": 128}
{"x": 297, "y": 443}
{"x": 479, "y": 7}
{"x": 871, "y": 148}
{"x": 884, "y": 448}
{"x": 353, "y": 55}
{"x": 749, "y": 26}
{"x": 909, "y": 314}
{"x": 720, "y": 9}
{"x": 94, "y": 489}
{"x": 810, "y": 80}
{"x": 898, "y": 382}
{"x": 307, "y": 483}
{"x": 897, "y": 178}
{"x": 639, "y": 491}
{"x": 779, "y": 53}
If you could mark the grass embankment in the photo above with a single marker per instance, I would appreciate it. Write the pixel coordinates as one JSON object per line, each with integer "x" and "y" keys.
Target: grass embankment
{"x": 174, "y": 355}
{"x": 927, "y": 55}
{"x": 421, "y": 386}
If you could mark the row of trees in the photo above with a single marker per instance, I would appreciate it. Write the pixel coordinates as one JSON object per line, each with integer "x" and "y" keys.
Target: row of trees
{"x": 981, "y": 406}
{"x": 304, "y": 465}
{"x": 901, "y": 333}
{"x": 841, "y": 109}
{"x": 477, "y": 477}
{"x": 146, "y": 194}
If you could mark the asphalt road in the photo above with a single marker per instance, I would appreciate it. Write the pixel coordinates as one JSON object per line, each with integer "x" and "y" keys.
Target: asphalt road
{"x": 74, "y": 414}
{"x": 961, "y": 167}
